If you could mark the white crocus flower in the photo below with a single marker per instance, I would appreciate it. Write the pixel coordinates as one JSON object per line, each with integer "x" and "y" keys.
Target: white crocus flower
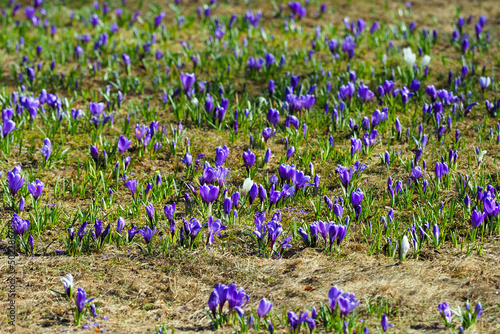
{"x": 409, "y": 57}
{"x": 404, "y": 248}
{"x": 68, "y": 284}
{"x": 425, "y": 61}
{"x": 247, "y": 185}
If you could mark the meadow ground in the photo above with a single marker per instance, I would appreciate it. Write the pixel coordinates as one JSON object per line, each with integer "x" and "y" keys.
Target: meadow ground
{"x": 138, "y": 292}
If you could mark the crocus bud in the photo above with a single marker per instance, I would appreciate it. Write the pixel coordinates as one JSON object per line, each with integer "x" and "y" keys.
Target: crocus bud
{"x": 404, "y": 248}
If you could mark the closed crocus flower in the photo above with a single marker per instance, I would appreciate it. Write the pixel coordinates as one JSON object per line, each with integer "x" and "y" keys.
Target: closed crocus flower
{"x": 187, "y": 81}
{"x": 404, "y": 248}
{"x": 126, "y": 59}
{"x": 188, "y": 159}
{"x": 273, "y": 116}
{"x": 221, "y": 154}
{"x": 264, "y": 308}
{"x": 477, "y": 218}
{"x": 384, "y": 322}
{"x": 131, "y": 185}
{"x": 213, "y": 302}
{"x": 228, "y": 204}
{"x": 14, "y": 180}
{"x": 120, "y": 224}
{"x": 147, "y": 233}
{"x": 267, "y": 156}
{"x": 271, "y": 87}
{"x": 247, "y": 185}
{"x": 252, "y": 194}
{"x": 209, "y": 193}
{"x": 248, "y": 158}
{"x": 123, "y": 144}
{"x": 357, "y": 197}
{"x": 68, "y": 285}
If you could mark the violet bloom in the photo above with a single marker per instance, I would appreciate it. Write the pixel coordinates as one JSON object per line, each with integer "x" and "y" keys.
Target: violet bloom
{"x": 273, "y": 116}
{"x": 477, "y": 218}
{"x": 209, "y": 193}
{"x": 357, "y": 197}
{"x": 8, "y": 126}
{"x": 213, "y": 301}
{"x": 188, "y": 159}
{"x": 19, "y": 225}
{"x": 14, "y": 180}
{"x": 81, "y": 300}
{"x": 237, "y": 299}
{"x": 132, "y": 186}
{"x": 36, "y": 189}
{"x": 187, "y": 81}
{"x": 347, "y": 303}
{"x": 349, "y": 46}
{"x": 123, "y": 144}
{"x": 416, "y": 173}
{"x": 214, "y": 226}
{"x": 268, "y": 133}
{"x": 445, "y": 312}
{"x": 356, "y": 146}
{"x": 126, "y": 59}
{"x": 120, "y": 224}
{"x": 364, "y": 93}
{"x": 384, "y": 322}
{"x": 248, "y": 159}
{"x": 221, "y": 154}
{"x": 290, "y": 152}
{"x": 147, "y": 233}
{"x": 264, "y": 308}
{"x": 297, "y": 9}
{"x": 150, "y": 211}
{"x": 296, "y": 321}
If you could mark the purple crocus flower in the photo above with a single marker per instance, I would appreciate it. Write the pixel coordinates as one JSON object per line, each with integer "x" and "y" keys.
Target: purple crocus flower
{"x": 150, "y": 211}
{"x": 248, "y": 159}
{"x": 123, "y": 144}
{"x": 364, "y": 93}
{"x": 357, "y": 197}
{"x": 477, "y": 218}
{"x": 347, "y": 303}
{"x": 132, "y": 186}
{"x": 81, "y": 300}
{"x": 445, "y": 312}
{"x": 268, "y": 133}
{"x": 214, "y": 226}
{"x": 147, "y": 233}
{"x": 19, "y": 225}
{"x": 221, "y": 154}
{"x": 209, "y": 193}
{"x": 290, "y": 152}
{"x": 264, "y": 308}
{"x": 384, "y": 322}
{"x": 188, "y": 159}
{"x": 126, "y": 59}
{"x": 187, "y": 81}
{"x": 273, "y": 116}
{"x": 213, "y": 301}
{"x": 356, "y": 146}
{"x": 237, "y": 299}
{"x": 14, "y": 180}
{"x": 120, "y": 224}
{"x": 36, "y": 189}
